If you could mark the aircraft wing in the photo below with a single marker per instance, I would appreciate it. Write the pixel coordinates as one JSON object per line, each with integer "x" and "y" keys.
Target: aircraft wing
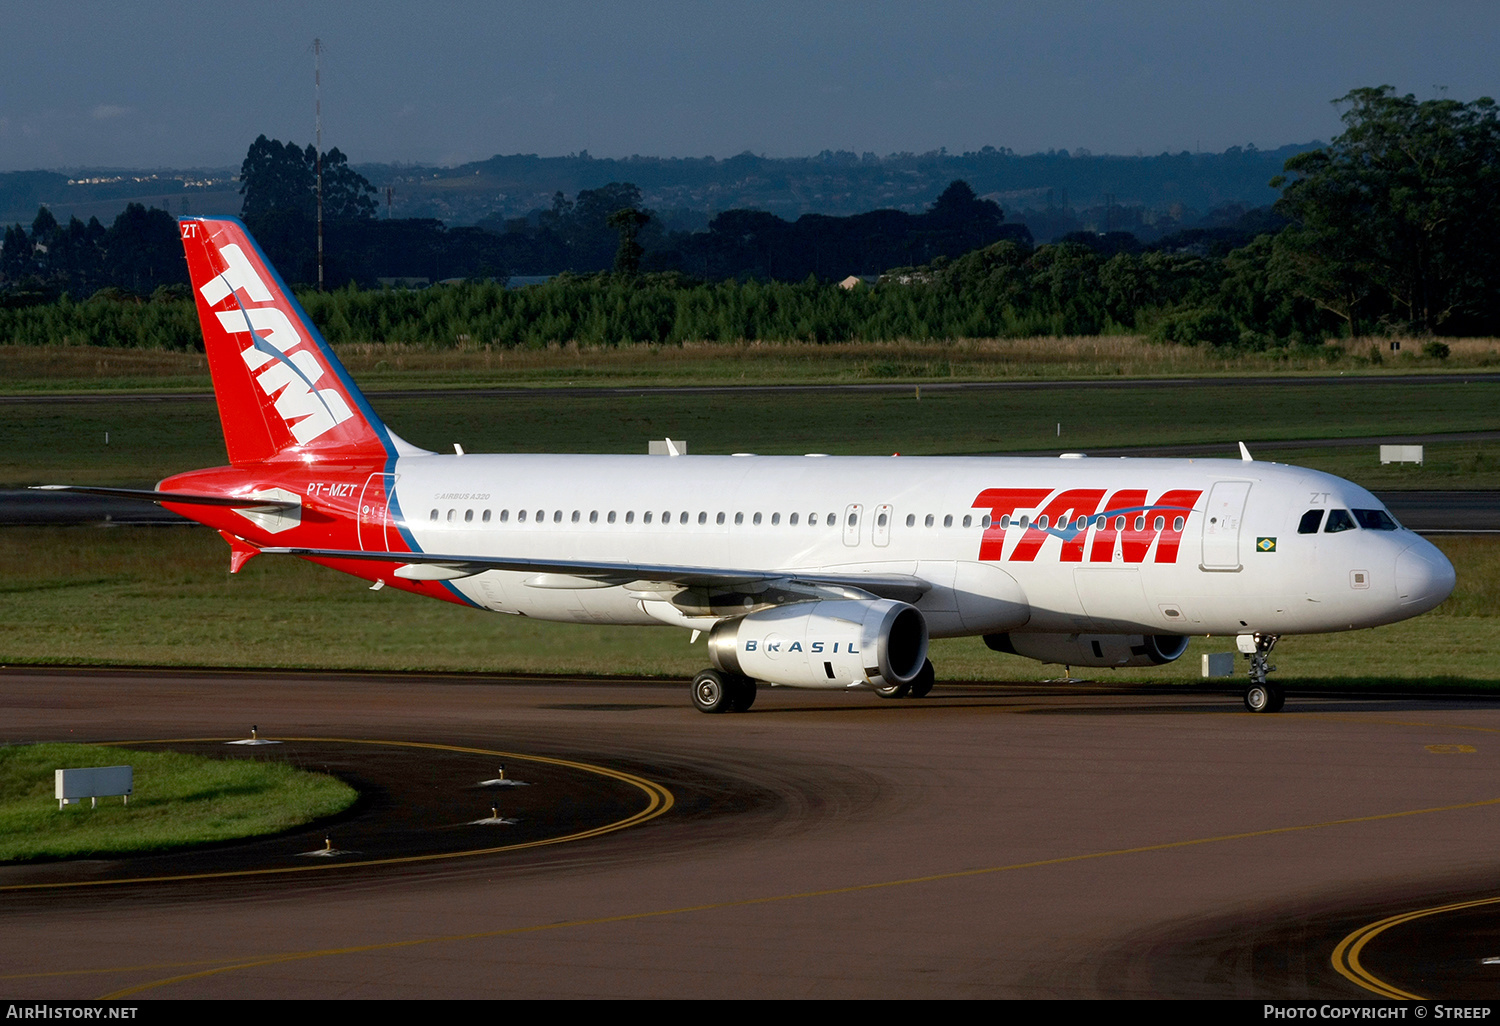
{"x": 438, "y": 566}
{"x": 183, "y": 498}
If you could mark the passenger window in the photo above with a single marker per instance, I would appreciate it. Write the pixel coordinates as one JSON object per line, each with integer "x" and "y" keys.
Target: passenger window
{"x": 1041, "y": 522}
{"x": 719, "y": 519}
{"x": 968, "y": 520}
{"x": 1376, "y": 520}
{"x": 611, "y": 517}
{"x": 646, "y": 517}
{"x": 702, "y": 518}
{"x": 792, "y": 520}
{"x": 756, "y": 519}
{"x": 1311, "y": 521}
{"x": 557, "y": 516}
{"x": 1338, "y": 520}
{"x": 630, "y": 516}
{"x": 450, "y": 516}
{"x": 683, "y": 517}
{"x": 984, "y": 521}
{"x": 832, "y": 520}
{"x": 486, "y": 516}
{"x": 928, "y": 521}
{"x": 812, "y": 520}
{"x": 1005, "y": 522}
{"x": 775, "y": 519}
{"x": 521, "y": 516}
{"x": 853, "y": 519}
{"x": 739, "y": 518}
{"x": 541, "y": 515}
{"x": 593, "y": 516}
{"x": 1159, "y": 523}
{"x": 505, "y": 516}
{"x": 434, "y": 515}
{"x": 468, "y": 516}
{"x": 1178, "y": 523}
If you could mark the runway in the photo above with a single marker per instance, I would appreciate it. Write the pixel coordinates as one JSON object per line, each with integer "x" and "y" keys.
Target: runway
{"x": 1008, "y": 840}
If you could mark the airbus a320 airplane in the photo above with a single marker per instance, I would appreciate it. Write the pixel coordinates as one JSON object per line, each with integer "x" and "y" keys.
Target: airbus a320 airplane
{"x": 803, "y": 571}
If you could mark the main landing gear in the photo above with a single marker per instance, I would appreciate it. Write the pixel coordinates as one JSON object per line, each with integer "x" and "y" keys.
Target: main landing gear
{"x": 917, "y": 688}
{"x": 1262, "y": 696}
{"x": 715, "y": 691}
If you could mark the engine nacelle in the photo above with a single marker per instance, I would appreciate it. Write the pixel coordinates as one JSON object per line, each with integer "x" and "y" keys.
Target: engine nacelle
{"x": 1092, "y": 649}
{"x": 824, "y": 644}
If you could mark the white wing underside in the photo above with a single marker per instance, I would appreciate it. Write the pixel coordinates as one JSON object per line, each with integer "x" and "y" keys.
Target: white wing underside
{"x": 637, "y": 576}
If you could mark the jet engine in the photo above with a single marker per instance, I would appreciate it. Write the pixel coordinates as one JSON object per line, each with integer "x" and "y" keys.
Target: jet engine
{"x": 824, "y": 644}
{"x": 1092, "y": 649}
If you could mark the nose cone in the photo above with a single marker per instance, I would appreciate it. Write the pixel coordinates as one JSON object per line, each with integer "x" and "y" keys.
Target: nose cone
{"x": 1424, "y": 578}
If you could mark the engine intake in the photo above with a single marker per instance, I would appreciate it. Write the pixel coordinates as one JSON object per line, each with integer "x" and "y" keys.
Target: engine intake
{"x": 1092, "y": 649}
{"x": 825, "y": 644}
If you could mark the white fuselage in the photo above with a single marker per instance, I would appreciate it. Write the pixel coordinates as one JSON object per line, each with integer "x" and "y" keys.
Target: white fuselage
{"x": 1240, "y": 566}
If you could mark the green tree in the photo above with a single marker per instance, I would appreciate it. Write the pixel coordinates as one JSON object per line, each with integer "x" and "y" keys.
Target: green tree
{"x": 628, "y": 221}
{"x": 1398, "y": 217}
{"x": 278, "y": 177}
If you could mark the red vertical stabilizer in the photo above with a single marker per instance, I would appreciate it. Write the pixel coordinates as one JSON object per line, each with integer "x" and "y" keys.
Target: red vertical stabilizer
{"x": 282, "y": 393}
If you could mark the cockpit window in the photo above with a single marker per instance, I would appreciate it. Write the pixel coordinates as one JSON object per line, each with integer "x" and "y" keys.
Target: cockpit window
{"x": 1339, "y": 520}
{"x": 1311, "y": 521}
{"x": 1376, "y": 520}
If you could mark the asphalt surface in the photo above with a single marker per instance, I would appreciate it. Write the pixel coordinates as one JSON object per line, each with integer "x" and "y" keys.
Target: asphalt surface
{"x": 990, "y": 841}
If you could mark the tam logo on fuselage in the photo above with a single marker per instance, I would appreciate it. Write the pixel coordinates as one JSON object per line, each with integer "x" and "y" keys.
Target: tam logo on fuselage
{"x": 1127, "y": 523}
{"x": 285, "y": 376}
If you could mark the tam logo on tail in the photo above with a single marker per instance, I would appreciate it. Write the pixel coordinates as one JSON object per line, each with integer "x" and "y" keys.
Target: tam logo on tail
{"x": 248, "y": 319}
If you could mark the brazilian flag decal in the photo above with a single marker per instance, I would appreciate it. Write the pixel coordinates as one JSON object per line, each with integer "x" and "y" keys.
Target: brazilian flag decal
{"x": 1265, "y": 545}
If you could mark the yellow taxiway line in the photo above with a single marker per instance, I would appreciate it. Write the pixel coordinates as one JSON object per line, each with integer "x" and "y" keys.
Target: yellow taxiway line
{"x": 658, "y": 801}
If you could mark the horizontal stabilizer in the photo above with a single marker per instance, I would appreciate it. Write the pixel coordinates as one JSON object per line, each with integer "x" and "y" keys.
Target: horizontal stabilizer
{"x": 182, "y": 498}
{"x": 903, "y": 587}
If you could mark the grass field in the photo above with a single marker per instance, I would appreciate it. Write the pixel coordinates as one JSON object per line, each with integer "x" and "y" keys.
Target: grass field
{"x": 33, "y": 369}
{"x": 56, "y": 441}
{"x": 179, "y": 800}
{"x": 162, "y": 596}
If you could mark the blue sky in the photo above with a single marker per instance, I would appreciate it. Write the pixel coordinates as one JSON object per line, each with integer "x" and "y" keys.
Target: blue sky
{"x": 183, "y": 84}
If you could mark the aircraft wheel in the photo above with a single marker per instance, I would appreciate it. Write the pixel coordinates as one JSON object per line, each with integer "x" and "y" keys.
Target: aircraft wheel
{"x": 744, "y": 694}
{"x": 712, "y": 693}
{"x": 926, "y": 677}
{"x": 894, "y": 691}
{"x": 1261, "y": 698}
{"x": 1278, "y": 698}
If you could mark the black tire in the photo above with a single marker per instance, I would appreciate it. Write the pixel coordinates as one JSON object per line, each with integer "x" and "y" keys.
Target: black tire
{"x": 743, "y": 694}
{"x": 894, "y": 691}
{"x": 712, "y": 693}
{"x": 1278, "y": 698}
{"x": 1260, "y": 698}
{"x": 926, "y": 678}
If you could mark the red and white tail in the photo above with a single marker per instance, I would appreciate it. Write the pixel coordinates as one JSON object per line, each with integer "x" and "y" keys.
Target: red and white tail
{"x": 281, "y": 391}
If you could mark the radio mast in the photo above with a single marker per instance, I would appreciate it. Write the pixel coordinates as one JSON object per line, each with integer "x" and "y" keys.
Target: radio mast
{"x": 318, "y": 144}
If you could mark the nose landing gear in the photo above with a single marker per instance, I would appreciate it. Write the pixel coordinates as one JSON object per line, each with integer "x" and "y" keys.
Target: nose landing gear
{"x": 1261, "y": 696}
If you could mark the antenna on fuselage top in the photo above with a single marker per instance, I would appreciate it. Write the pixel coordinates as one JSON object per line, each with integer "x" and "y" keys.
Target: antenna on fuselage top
{"x": 1245, "y": 454}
